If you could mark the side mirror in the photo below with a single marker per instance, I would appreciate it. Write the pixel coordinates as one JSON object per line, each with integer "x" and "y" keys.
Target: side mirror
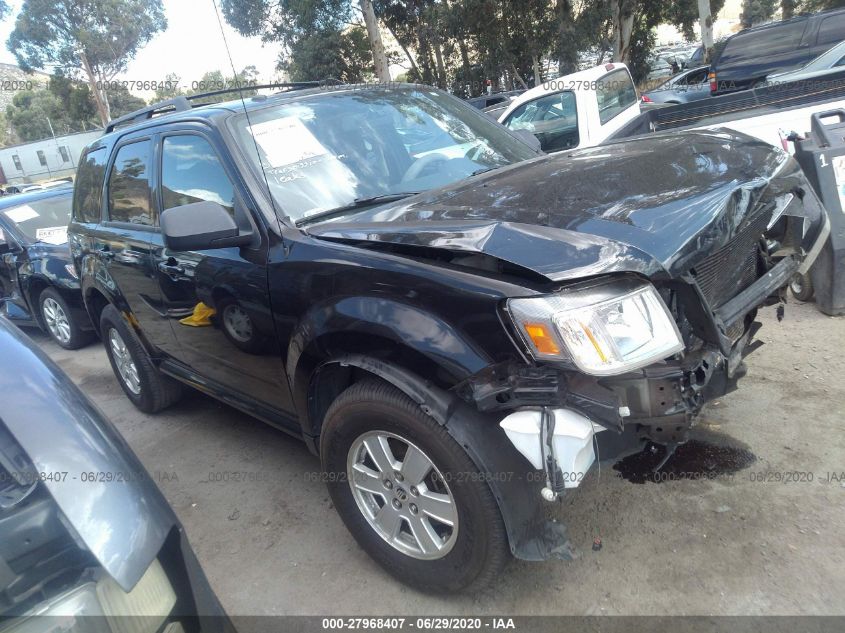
{"x": 200, "y": 226}
{"x": 528, "y": 137}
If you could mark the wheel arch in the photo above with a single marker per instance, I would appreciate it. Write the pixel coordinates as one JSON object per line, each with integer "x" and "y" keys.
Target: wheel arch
{"x": 36, "y": 285}
{"x": 329, "y": 366}
{"x": 531, "y": 536}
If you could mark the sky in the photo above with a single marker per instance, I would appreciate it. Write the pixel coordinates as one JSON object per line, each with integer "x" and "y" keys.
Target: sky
{"x": 191, "y": 46}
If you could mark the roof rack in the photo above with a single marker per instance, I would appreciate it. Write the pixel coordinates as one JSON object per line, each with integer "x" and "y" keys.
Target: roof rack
{"x": 183, "y": 103}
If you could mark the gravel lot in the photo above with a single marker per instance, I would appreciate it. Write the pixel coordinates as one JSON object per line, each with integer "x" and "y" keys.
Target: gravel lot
{"x": 726, "y": 544}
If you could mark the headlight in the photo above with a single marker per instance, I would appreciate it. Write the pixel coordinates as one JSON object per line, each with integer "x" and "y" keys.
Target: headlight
{"x": 606, "y": 329}
{"x": 71, "y": 271}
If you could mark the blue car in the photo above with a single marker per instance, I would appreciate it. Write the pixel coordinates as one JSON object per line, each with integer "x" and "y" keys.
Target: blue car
{"x": 38, "y": 284}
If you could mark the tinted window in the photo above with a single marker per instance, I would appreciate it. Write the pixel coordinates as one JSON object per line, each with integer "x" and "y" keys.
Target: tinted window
{"x": 42, "y": 220}
{"x": 553, "y": 119}
{"x": 41, "y": 158}
{"x": 129, "y": 185}
{"x": 615, "y": 93}
{"x": 749, "y": 47}
{"x": 65, "y": 154}
{"x": 831, "y": 30}
{"x": 17, "y": 160}
{"x": 88, "y": 192}
{"x": 191, "y": 172}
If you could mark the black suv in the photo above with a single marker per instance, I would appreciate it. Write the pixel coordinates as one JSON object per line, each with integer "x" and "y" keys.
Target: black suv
{"x": 747, "y": 57}
{"x": 451, "y": 355}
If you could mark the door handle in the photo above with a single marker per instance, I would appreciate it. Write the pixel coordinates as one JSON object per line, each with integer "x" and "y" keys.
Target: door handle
{"x": 172, "y": 270}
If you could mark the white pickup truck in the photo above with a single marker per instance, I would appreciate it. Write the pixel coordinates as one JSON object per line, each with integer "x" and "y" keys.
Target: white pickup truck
{"x": 601, "y": 104}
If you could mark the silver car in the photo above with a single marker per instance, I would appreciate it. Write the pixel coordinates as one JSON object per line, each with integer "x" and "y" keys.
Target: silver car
{"x": 686, "y": 86}
{"x": 830, "y": 61}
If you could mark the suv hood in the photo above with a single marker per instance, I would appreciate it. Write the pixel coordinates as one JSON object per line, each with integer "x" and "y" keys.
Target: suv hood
{"x": 655, "y": 205}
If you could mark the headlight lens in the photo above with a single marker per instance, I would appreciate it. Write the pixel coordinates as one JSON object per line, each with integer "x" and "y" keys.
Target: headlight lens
{"x": 71, "y": 271}
{"x": 605, "y": 330}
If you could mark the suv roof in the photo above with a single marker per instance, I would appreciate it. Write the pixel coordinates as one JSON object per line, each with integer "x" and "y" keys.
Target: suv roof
{"x": 780, "y": 23}
{"x": 182, "y": 104}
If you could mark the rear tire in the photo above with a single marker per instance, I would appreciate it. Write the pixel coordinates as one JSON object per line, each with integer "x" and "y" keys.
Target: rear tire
{"x": 147, "y": 388}
{"x": 424, "y": 551}
{"x": 59, "y": 322}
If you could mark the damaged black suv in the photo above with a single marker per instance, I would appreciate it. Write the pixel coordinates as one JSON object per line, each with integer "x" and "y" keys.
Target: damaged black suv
{"x": 446, "y": 317}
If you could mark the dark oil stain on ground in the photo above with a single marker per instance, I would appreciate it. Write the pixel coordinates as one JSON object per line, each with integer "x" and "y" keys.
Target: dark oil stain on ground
{"x": 696, "y": 459}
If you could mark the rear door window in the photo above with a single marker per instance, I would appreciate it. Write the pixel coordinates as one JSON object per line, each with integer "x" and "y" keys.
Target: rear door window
{"x": 88, "y": 190}
{"x": 192, "y": 172}
{"x": 553, "y": 119}
{"x": 615, "y": 93}
{"x": 129, "y": 185}
{"x": 831, "y": 30}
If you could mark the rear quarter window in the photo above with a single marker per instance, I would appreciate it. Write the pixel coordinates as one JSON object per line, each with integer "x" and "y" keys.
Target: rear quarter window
{"x": 88, "y": 189}
{"x": 615, "y": 93}
{"x": 831, "y": 30}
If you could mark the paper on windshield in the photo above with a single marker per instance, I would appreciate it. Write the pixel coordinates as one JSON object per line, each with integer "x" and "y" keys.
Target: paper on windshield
{"x": 839, "y": 177}
{"x": 52, "y": 235}
{"x": 21, "y": 213}
{"x": 286, "y": 141}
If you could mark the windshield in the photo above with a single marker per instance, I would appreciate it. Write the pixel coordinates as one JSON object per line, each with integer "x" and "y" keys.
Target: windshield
{"x": 42, "y": 220}
{"x": 329, "y": 151}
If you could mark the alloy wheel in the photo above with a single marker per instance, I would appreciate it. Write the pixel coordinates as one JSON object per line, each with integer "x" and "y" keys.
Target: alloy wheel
{"x": 123, "y": 360}
{"x": 402, "y": 495}
{"x": 56, "y": 320}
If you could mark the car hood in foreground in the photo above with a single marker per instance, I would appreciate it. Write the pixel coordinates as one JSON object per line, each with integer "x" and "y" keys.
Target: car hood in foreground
{"x": 89, "y": 470}
{"x": 655, "y": 205}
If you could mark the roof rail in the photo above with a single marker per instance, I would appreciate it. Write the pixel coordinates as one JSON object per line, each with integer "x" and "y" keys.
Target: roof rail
{"x": 183, "y": 103}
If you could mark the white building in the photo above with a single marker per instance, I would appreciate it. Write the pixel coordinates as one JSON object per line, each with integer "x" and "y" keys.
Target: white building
{"x": 43, "y": 160}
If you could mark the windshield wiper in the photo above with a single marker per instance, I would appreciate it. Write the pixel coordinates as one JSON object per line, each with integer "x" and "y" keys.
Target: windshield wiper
{"x": 355, "y": 205}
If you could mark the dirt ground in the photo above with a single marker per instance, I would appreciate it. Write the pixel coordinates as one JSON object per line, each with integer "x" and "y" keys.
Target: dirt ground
{"x": 749, "y": 521}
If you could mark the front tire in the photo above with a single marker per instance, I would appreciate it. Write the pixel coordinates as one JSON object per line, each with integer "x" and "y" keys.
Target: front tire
{"x": 801, "y": 287}
{"x": 408, "y": 493}
{"x": 147, "y": 388}
{"x": 59, "y": 321}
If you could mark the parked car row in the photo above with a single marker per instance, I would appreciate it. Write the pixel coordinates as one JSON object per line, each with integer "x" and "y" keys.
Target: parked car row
{"x": 451, "y": 319}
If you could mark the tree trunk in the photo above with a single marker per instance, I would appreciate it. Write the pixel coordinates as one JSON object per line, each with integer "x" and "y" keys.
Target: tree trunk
{"x": 99, "y": 97}
{"x": 406, "y": 51}
{"x": 705, "y": 22}
{"x": 518, "y": 77}
{"x": 538, "y": 73}
{"x": 623, "y": 27}
{"x": 567, "y": 56}
{"x": 438, "y": 56}
{"x": 787, "y": 8}
{"x": 379, "y": 57}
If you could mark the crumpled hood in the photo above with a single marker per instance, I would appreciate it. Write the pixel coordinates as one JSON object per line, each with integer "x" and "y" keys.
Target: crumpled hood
{"x": 656, "y": 205}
